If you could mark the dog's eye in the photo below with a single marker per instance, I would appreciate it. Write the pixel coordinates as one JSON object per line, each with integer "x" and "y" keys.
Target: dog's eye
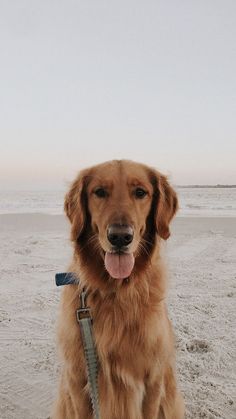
{"x": 101, "y": 193}
{"x": 140, "y": 193}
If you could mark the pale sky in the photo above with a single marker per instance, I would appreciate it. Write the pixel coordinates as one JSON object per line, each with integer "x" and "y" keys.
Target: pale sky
{"x": 82, "y": 82}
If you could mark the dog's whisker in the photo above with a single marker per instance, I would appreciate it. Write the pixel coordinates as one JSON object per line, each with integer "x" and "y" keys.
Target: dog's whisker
{"x": 150, "y": 243}
{"x": 143, "y": 248}
{"x": 91, "y": 240}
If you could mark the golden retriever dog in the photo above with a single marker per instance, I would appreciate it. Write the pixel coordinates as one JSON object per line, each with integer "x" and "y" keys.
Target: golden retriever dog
{"x": 119, "y": 212}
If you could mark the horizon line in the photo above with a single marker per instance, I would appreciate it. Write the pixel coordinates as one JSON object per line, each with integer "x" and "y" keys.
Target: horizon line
{"x": 218, "y": 185}
{"x": 58, "y": 189}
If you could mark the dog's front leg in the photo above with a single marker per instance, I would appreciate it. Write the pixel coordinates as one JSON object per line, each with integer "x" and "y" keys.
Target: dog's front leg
{"x": 73, "y": 401}
{"x": 152, "y": 399}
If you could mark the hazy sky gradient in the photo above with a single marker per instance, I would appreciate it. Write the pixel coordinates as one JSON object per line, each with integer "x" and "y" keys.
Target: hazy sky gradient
{"x": 86, "y": 81}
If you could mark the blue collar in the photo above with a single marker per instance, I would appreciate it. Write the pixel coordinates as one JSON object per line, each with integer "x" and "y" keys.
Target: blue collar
{"x": 66, "y": 278}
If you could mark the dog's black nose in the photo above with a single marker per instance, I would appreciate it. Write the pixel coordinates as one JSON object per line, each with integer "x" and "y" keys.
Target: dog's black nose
{"x": 120, "y": 235}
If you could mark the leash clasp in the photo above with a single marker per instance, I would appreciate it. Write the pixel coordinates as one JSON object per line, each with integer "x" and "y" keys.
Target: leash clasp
{"x": 83, "y": 312}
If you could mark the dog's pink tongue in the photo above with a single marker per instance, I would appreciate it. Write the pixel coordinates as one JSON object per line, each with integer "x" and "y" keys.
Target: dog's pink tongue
{"x": 119, "y": 265}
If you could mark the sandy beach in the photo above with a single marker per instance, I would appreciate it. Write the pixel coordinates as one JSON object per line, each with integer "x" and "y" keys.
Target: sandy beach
{"x": 202, "y": 292}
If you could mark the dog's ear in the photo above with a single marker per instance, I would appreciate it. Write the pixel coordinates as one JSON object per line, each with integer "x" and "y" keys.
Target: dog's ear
{"x": 75, "y": 205}
{"x": 166, "y": 208}
{"x": 166, "y": 203}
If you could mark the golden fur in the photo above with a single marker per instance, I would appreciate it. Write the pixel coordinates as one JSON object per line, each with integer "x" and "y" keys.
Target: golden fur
{"x": 132, "y": 331}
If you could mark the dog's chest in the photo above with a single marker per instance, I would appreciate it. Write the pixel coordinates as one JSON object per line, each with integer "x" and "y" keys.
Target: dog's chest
{"x": 123, "y": 344}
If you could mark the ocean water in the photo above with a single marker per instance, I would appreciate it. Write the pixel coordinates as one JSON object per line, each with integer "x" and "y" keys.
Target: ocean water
{"x": 198, "y": 202}
{"x": 46, "y": 202}
{"x": 207, "y": 202}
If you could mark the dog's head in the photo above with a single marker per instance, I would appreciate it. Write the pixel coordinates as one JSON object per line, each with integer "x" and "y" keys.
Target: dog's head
{"x": 117, "y": 209}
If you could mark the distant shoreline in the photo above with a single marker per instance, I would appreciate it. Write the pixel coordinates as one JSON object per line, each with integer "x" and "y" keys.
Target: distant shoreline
{"x": 207, "y": 186}
{"x": 62, "y": 191}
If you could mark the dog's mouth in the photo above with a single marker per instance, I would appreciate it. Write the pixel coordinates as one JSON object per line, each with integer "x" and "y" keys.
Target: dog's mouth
{"x": 118, "y": 264}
